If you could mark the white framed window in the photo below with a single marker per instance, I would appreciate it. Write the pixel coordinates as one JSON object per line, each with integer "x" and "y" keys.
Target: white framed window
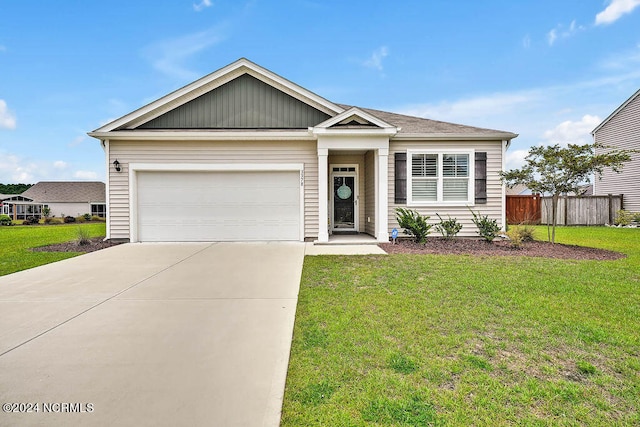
{"x": 440, "y": 177}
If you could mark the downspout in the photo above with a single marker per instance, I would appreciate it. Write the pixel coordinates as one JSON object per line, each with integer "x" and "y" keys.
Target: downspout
{"x": 505, "y": 145}
{"x": 105, "y": 147}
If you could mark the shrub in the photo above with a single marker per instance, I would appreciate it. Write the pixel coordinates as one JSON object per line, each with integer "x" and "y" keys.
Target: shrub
{"x": 31, "y": 220}
{"x": 515, "y": 238}
{"x": 80, "y": 218}
{"x": 5, "y": 220}
{"x": 526, "y": 232}
{"x": 87, "y": 217}
{"x": 623, "y": 217}
{"x": 448, "y": 228}
{"x": 54, "y": 221}
{"x": 82, "y": 236}
{"x": 487, "y": 228}
{"x": 413, "y": 224}
{"x": 98, "y": 218}
{"x": 69, "y": 219}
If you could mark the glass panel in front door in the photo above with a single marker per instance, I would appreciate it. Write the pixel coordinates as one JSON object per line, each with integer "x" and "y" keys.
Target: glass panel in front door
{"x": 343, "y": 203}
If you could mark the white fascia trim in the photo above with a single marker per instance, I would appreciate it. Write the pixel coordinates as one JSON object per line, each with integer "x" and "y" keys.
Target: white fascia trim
{"x": 354, "y": 132}
{"x": 134, "y": 168}
{"x": 135, "y": 135}
{"x": 617, "y": 110}
{"x": 453, "y": 137}
{"x": 191, "y": 91}
{"x": 357, "y": 112}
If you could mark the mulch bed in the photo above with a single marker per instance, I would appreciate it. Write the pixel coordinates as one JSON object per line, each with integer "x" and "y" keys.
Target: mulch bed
{"x": 476, "y": 247}
{"x": 95, "y": 244}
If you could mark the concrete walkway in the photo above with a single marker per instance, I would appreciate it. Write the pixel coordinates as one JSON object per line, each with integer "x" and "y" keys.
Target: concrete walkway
{"x": 151, "y": 334}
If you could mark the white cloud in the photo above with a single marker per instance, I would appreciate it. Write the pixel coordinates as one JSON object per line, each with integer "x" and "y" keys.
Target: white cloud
{"x": 7, "y": 118}
{"x": 59, "y": 164}
{"x": 77, "y": 140}
{"x": 615, "y": 10}
{"x": 85, "y": 175}
{"x": 552, "y": 36}
{"x": 526, "y": 41}
{"x": 375, "y": 61}
{"x": 515, "y": 159}
{"x": 573, "y": 132}
{"x": 202, "y": 5}
{"x": 14, "y": 169}
{"x": 171, "y": 56}
{"x": 560, "y": 32}
{"x": 471, "y": 109}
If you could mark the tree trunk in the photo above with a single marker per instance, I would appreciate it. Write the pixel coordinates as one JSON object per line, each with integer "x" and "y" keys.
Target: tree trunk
{"x": 554, "y": 216}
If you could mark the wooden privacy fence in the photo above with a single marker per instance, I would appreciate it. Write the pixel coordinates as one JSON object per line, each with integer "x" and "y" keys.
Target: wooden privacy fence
{"x": 571, "y": 210}
{"x": 523, "y": 209}
{"x": 585, "y": 210}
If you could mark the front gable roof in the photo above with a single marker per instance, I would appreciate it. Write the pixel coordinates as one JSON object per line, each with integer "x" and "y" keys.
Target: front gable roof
{"x": 355, "y": 120}
{"x": 198, "y": 93}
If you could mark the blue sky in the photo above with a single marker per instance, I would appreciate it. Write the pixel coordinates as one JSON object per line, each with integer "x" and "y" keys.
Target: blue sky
{"x": 547, "y": 70}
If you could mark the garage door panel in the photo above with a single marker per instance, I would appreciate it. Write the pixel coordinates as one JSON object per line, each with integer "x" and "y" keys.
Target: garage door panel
{"x": 218, "y": 206}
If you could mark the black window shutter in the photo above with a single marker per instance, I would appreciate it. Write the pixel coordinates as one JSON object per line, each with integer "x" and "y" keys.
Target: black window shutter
{"x": 481, "y": 177}
{"x": 400, "y": 178}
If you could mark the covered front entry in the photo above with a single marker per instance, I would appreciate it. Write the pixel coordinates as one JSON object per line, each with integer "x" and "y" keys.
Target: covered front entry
{"x": 231, "y": 205}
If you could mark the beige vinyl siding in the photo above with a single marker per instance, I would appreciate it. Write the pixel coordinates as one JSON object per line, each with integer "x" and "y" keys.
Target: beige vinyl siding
{"x": 209, "y": 152}
{"x": 336, "y": 159}
{"x": 493, "y": 207}
{"x": 370, "y": 193}
{"x": 622, "y": 131}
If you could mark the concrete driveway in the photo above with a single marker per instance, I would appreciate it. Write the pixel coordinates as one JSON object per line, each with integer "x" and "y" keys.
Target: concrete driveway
{"x": 151, "y": 334}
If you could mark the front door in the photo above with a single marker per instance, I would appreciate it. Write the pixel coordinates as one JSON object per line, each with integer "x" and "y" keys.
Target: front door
{"x": 344, "y": 200}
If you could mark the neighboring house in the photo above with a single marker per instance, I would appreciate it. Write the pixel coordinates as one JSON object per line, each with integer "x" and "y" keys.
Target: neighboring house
{"x": 244, "y": 154}
{"x": 622, "y": 130}
{"x": 518, "y": 190}
{"x": 65, "y": 198}
{"x": 19, "y": 207}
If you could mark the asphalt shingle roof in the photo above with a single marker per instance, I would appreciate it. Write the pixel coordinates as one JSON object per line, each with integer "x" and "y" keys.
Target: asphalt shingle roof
{"x": 419, "y": 125}
{"x": 67, "y": 191}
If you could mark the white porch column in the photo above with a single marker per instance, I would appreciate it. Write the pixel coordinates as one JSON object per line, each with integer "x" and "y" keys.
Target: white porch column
{"x": 323, "y": 195}
{"x": 382, "y": 194}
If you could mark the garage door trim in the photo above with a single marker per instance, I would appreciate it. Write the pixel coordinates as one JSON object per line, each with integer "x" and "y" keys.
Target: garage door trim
{"x": 134, "y": 168}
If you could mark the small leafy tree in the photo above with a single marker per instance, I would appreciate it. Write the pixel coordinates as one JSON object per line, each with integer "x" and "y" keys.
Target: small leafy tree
{"x": 413, "y": 224}
{"x": 449, "y": 227}
{"x": 555, "y": 170}
{"x": 487, "y": 228}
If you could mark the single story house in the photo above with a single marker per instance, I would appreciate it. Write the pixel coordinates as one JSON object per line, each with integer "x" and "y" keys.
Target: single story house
{"x": 63, "y": 198}
{"x": 245, "y": 154}
{"x": 18, "y": 207}
{"x": 621, "y": 130}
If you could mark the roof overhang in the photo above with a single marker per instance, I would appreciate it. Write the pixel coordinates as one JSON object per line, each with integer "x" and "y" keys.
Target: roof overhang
{"x": 202, "y": 135}
{"x": 455, "y": 137}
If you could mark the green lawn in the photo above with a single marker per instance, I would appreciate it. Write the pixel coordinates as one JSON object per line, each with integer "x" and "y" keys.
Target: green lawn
{"x": 457, "y": 340}
{"x": 15, "y": 242}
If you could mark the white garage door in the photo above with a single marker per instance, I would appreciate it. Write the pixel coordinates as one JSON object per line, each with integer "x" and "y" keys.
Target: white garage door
{"x": 218, "y": 206}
